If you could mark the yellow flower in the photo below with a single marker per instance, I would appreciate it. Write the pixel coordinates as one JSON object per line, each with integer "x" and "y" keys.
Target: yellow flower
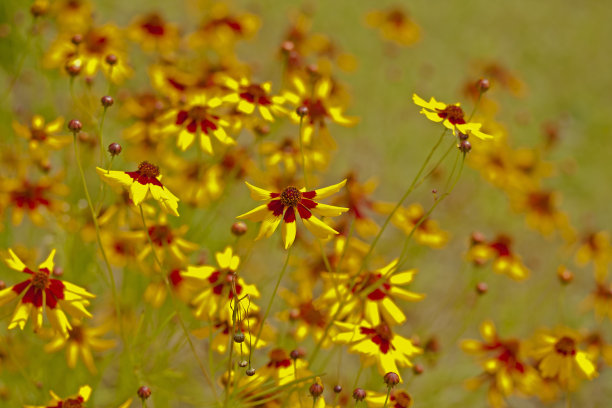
{"x": 394, "y": 25}
{"x": 284, "y": 205}
{"x": 75, "y": 401}
{"x": 601, "y": 300}
{"x": 153, "y": 33}
{"x": 197, "y": 118}
{"x": 504, "y": 260}
{"x": 165, "y": 239}
{"x": 40, "y": 135}
{"x": 398, "y": 398}
{"x": 39, "y": 292}
{"x": 376, "y": 341}
{"x": 140, "y": 183}
{"x": 451, "y": 116}
{"x": 559, "y": 357}
{"x": 406, "y": 219}
{"x": 596, "y": 248}
{"x": 247, "y": 96}
{"x": 81, "y": 341}
{"x": 217, "y": 285}
{"x": 286, "y": 153}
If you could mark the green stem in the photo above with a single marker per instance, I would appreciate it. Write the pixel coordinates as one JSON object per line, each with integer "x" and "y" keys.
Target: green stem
{"x": 302, "y": 152}
{"x": 280, "y": 277}
{"x": 230, "y": 365}
{"x": 387, "y": 398}
{"x": 100, "y": 138}
{"x": 178, "y": 315}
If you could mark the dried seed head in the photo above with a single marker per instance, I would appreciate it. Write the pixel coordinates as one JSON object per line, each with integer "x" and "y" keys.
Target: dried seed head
{"x": 239, "y": 228}
{"x": 75, "y": 126}
{"x": 239, "y": 337}
{"x": 359, "y": 394}
{"x": 250, "y": 372}
{"x": 391, "y": 379}
{"x": 114, "y": 149}
{"x": 107, "y": 101}
{"x": 144, "y": 392}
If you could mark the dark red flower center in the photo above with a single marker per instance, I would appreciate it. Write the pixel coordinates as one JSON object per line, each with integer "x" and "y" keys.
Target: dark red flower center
{"x": 311, "y": 315}
{"x": 76, "y": 334}
{"x": 30, "y": 196}
{"x": 198, "y": 115}
{"x": 316, "y": 110}
{"x": 380, "y": 335}
{"x": 161, "y": 234}
{"x": 255, "y": 94}
{"x": 148, "y": 170}
{"x": 96, "y": 43}
{"x": 566, "y": 346}
{"x": 541, "y": 202}
{"x": 71, "y": 403}
{"x": 38, "y": 134}
{"x": 290, "y": 197}
{"x": 453, "y": 113}
{"x": 401, "y": 399}
{"x": 502, "y": 246}
{"x": 40, "y": 280}
{"x": 367, "y": 281}
{"x": 154, "y": 25}
{"x": 279, "y": 358}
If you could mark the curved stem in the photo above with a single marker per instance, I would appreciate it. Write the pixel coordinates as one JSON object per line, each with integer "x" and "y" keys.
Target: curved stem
{"x": 387, "y": 398}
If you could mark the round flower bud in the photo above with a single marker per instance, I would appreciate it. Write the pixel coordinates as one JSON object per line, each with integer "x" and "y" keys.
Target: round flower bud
{"x": 250, "y": 372}
{"x": 239, "y": 337}
{"x": 262, "y": 130}
{"x": 338, "y": 389}
{"x": 302, "y": 111}
{"x": 463, "y": 136}
{"x": 418, "y": 369}
{"x": 243, "y": 363}
{"x": 73, "y": 67}
{"x": 39, "y": 8}
{"x": 294, "y": 354}
{"x": 465, "y": 146}
{"x": 239, "y": 228}
{"x": 77, "y": 39}
{"x": 287, "y": 46}
{"x": 565, "y": 275}
{"x": 482, "y": 288}
{"x": 359, "y": 394}
{"x": 75, "y": 126}
{"x": 316, "y": 389}
{"x": 114, "y": 149}
{"x": 107, "y": 101}
{"x": 483, "y": 85}
{"x": 111, "y": 59}
{"x": 58, "y": 271}
{"x": 391, "y": 379}
{"x": 144, "y": 392}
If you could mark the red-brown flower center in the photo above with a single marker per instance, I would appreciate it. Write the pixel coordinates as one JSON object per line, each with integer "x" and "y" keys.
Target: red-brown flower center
{"x": 198, "y": 113}
{"x": 401, "y": 398}
{"x": 453, "y": 113}
{"x": 40, "y": 280}
{"x": 76, "y": 334}
{"x": 154, "y": 25}
{"x": 311, "y": 315}
{"x": 566, "y": 346}
{"x": 255, "y": 94}
{"x": 38, "y": 134}
{"x": 290, "y": 197}
{"x": 279, "y": 358}
{"x": 96, "y": 43}
{"x": 161, "y": 234}
{"x": 541, "y": 202}
{"x": 148, "y": 170}
{"x": 73, "y": 403}
{"x": 316, "y": 110}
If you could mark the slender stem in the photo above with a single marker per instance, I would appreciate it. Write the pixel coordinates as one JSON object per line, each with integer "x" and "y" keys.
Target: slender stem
{"x": 178, "y": 315}
{"x": 100, "y": 138}
{"x": 230, "y": 365}
{"x": 343, "y": 301}
{"x": 98, "y": 236}
{"x": 358, "y": 376}
{"x": 387, "y": 398}
{"x": 26, "y": 51}
{"x": 302, "y": 152}
{"x": 280, "y": 277}
{"x": 475, "y": 105}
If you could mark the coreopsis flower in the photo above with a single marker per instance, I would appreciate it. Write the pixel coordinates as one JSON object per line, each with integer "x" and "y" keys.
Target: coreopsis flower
{"x": 41, "y": 136}
{"x": 82, "y": 340}
{"x": 503, "y": 362}
{"x": 42, "y": 294}
{"x": 198, "y": 119}
{"x": 140, "y": 183}
{"x": 73, "y": 16}
{"x": 283, "y": 207}
{"x": 91, "y": 53}
{"x": 357, "y": 199}
{"x": 377, "y": 342}
{"x": 249, "y": 96}
{"x": 373, "y": 294}
{"x": 394, "y": 25}
{"x": 157, "y": 291}
{"x": 153, "y": 33}
{"x": 146, "y": 133}
{"x": 35, "y": 199}
{"x": 222, "y": 28}
{"x": 505, "y": 261}
{"x": 406, "y": 219}
{"x": 321, "y": 108}
{"x": 398, "y": 398}
{"x": 220, "y": 329}
{"x": 560, "y": 358}
{"x": 280, "y": 366}
{"x": 306, "y": 315}
{"x": 596, "y": 248}
{"x": 600, "y": 300}
{"x": 217, "y": 286}
{"x": 75, "y": 401}
{"x": 451, "y": 116}
{"x": 287, "y": 153}
{"x": 166, "y": 240}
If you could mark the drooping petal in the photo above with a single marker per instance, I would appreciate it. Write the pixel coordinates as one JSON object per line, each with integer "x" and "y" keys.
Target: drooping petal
{"x": 113, "y": 177}
{"x": 167, "y": 200}
{"x": 138, "y": 193}
{"x": 289, "y": 227}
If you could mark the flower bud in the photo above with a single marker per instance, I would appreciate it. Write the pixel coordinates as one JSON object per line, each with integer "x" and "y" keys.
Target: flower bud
{"x": 250, "y": 372}
{"x": 338, "y": 389}
{"x": 316, "y": 389}
{"x": 77, "y": 39}
{"x": 302, "y": 111}
{"x": 239, "y": 337}
{"x": 39, "y": 8}
{"x": 144, "y": 392}
{"x": 243, "y": 363}
{"x": 483, "y": 85}
{"x": 75, "y": 126}
{"x": 107, "y": 101}
{"x": 73, "y": 67}
{"x": 418, "y": 369}
{"x": 239, "y": 228}
{"x": 2, "y": 285}
{"x": 111, "y": 59}
{"x": 391, "y": 379}
{"x": 465, "y": 146}
{"x": 287, "y": 46}
{"x": 359, "y": 394}
{"x": 114, "y": 149}
{"x": 482, "y": 288}
{"x": 565, "y": 275}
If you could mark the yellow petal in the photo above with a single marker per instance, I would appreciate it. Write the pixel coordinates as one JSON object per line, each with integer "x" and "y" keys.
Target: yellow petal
{"x": 324, "y": 210}
{"x": 288, "y": 232}
{"x": 48, "y": 263}
{"x": 257, "y": 214}
{"x": 14, "y": 262}
{"x": 138, "y": 192}
{"x": 327, "y": 191}
{"x": 259, "y": 193}
{"x": 318, "y": 228}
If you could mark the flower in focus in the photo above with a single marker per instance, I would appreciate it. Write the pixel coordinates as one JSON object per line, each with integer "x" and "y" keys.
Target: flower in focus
{"x": 394, "y": 25}
{"x": 377, "y": 342}
{"x": 499, "y": 250}
{"x": 81, "y": 341}
{"x": 559, "y": 357}
{"x": 247, "y": 96}
{"x": 283, "y": 206}
{"x": 451, "y": 116}
{"x": 41, "y": 291}
{"x": 140, "y": 183}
